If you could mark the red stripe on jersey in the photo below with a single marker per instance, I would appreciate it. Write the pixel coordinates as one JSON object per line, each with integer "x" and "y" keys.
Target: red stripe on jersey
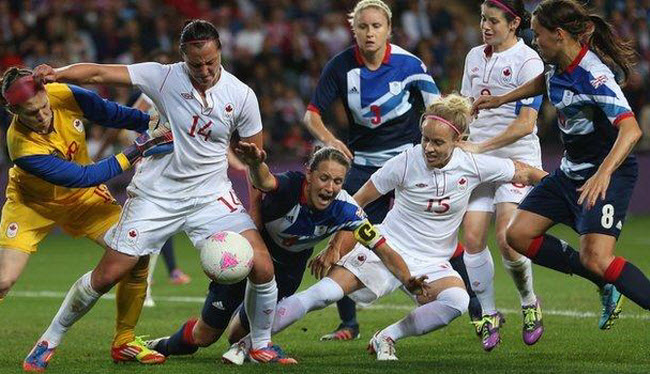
{"x": 379, "y": 243}
{"x": 569, "y": 69}
{"x": 622, "y": 117}
{"x": 313, "y": 108}
{"x": 614, "y": 269}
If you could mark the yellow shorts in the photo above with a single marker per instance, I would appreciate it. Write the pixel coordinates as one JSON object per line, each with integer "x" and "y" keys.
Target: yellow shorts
{"x": 25, "y": 223}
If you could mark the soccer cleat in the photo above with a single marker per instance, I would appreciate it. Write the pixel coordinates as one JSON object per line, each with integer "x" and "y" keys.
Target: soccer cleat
{"x": 271, "y": 354}
{"x": 474, "y": 309}
{"x": 533, "y": 326}
{"x": 342, "y": 333}
{"x": 612, "y": 301}
{"x": 136, "y": 350}
{"x": 236, "y": 354}
{"x": 178, "y": 277}
{"x": 384, "y": 348}
{"x": 488, "y": 327}
{"x": 39, "y": 357}
{"x": 154, "y": 344}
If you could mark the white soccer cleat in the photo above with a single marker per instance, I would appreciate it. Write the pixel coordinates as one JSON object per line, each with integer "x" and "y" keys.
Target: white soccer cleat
{"x": 384, "y": 348}
{"x": 236, "y": 354}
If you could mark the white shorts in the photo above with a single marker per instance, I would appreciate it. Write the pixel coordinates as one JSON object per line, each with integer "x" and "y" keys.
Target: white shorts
{"x": 485, "y": 197}
{"x": 379, "y": 281}
{"x": 145, "y": 224}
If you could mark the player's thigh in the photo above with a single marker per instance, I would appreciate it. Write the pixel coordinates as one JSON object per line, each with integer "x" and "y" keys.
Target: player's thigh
{"x": 434, "y": 288}
{"x": 144, "y": 225}
{"x": 363, "y": 276}
{"x": 24, "y": 225}
{"x": 476, "y": 222}
{"x": 524, "y": 227}
{"x": 12, "y": 264}
{"x": 440, "y": 275}
{"x": 504, "y": 214}
{"x": 93, "y": 215}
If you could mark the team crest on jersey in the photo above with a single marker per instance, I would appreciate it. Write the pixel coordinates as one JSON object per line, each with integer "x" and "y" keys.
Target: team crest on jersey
{"x": 78, "y": 125}
{"x": 462, "y": 184}
{"x": 506, "y": 75}
{"x": 599, "y": 81}
{"x": 12, "y": 230}
{"x": 187, "y": 95}
{"x": 228, "y": 110}
{"x": 132, "y": 237}
{"x": 567, "y": 97}
{"x": 421, "y": 185}
{"x": 395, "y": 87}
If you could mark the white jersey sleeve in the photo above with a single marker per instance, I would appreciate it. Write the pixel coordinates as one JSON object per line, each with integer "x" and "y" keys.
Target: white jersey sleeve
{"x": 466, "y": 85}
{"x": 249, "y": 120}
{"x": 529, "y": 70}
{"x": 493, "y": 169}
{"x": 149, "y": 77}
{"x": 392, "y": 174}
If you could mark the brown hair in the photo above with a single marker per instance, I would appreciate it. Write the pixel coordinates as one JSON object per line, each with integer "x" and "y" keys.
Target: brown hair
{"x": 199, "y": 31}
{"x": 327, "y": 154}
{"x": 573, "y": 17}
{"x": 515, "y": 6}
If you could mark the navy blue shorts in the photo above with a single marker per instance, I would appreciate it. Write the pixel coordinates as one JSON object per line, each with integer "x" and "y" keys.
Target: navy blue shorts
{"x": 556, "y": 198}
{"x": 357, "y": 176}
{"x": 224, "y": 300}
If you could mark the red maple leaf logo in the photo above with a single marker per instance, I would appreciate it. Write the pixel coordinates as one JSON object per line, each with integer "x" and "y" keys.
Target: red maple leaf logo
{"x": 361, "y": 258}
{"x": 133, "y": 233}
{"x": 506, "y": 72}
{"x": 228, "y": 108}
{"x": 12, "y": 226}
{"x": 462, "y": 181}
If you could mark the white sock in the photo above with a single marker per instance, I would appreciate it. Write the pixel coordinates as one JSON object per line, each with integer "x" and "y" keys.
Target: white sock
{"x": 480, "y": 270}
{"x": 260, "y": 301}
{"x": 80, "y": 299}
{"x": 450, "y": 304}
{"x": 289, "y": 310}
{"x": 153, "y": 259}
{"x": 521, "y": 272}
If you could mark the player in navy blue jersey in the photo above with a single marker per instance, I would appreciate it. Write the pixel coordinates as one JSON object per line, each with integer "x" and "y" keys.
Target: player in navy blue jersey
{"x": 591, "y": 190}
{"x": 298, "y": 211}
{"x": 384, "y": 89}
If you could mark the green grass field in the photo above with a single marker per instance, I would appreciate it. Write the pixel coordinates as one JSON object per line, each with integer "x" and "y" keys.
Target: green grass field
{"x": 572, "y": 342}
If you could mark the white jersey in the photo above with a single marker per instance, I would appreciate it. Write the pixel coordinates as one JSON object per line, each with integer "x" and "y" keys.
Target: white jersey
{"x": 430, "y": 203}
{"x": 197, "y": 167}
{"x": 496, "y": 73}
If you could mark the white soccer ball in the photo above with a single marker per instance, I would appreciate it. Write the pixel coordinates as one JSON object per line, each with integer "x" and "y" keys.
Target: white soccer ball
{"x": 226, "y": 257}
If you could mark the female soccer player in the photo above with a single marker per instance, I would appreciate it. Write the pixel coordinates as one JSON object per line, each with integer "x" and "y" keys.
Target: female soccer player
{"x": 591, "y": 190}
{"x": 298, "y": 211}
{"x": 503, "y": 63}
{"x": 54, "y": 182}
{"x": 383, "y": 89}
{"x": 432, "y": 183}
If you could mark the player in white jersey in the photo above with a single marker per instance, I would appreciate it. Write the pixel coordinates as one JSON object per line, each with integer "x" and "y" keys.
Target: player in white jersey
{"x": 432, "y": 183}
{"x": 189, "y": 189}
{"x": 500, "y": 65}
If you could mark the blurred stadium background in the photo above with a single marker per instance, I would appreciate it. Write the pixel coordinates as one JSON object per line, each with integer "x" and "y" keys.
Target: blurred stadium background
{"x": 279, "y": 47}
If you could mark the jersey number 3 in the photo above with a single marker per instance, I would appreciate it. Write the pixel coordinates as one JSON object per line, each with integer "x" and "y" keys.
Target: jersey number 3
{"x": 203, "y": 131}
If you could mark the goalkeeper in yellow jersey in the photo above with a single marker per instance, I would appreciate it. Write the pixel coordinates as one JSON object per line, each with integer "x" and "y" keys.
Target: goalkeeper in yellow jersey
{"x": 54, "y": 182}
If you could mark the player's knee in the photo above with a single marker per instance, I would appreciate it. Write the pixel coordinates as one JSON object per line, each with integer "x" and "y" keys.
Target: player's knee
{"x": 103, "y": 281}
{"x": 455, "y": 298}
{"x": 204, "y": 335}
{"x": 262, "y": 271}
{"x": 514, "y": 237}
{"x": 5, "y": 285}
{"x": 473, "y": 241}
{"x": 502, "y": 241}
{"x": 594, "y": 262}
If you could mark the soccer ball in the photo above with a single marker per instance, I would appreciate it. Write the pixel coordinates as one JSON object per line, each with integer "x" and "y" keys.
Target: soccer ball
{"x": 226, "y": 257}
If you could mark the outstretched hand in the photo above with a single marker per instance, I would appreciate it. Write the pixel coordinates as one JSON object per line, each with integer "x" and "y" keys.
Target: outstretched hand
{"x": 416, "y": 286}
{"x": 321, "y": 264}
{"x": 485, "y": 102}
{"x": 250, "y": 154}
{"x": 593, "y": 189}
{"x": 44, "y": 74}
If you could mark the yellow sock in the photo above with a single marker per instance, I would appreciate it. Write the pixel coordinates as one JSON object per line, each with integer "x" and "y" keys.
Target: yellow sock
{"x": 129, "y": 298}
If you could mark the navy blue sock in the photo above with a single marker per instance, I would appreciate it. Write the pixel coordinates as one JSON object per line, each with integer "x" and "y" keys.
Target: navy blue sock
{"x": 457, "y": 262}
{"x": 553, "y": 253}
{"x": 167, "y": 252}
{"x": 347, "y": 312}
{"x": 630, "y": 281}
{"x": 181, "y": 342}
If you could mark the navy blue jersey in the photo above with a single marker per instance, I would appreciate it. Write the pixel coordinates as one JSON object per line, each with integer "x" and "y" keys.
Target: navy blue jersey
{"x": 379, "y": 104}
{"x": 590, "y": 104}
{"x": 293, "y": 226}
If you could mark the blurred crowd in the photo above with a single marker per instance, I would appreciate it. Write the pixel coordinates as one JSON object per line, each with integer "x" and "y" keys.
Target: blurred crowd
{"x": 278, "y": 47}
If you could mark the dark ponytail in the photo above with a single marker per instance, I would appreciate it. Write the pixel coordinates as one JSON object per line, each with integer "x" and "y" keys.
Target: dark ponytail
{"x": 588, "y": 28}
{"x": 198, "y": 31}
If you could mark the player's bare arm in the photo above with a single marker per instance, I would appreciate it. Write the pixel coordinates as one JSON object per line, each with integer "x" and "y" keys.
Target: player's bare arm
{"x": 595, "y": 187}
{"x": 258, "y": 170}
{"x": 84, "y": 73}
{"x": 366, "y": 194}
{"x": 526, "y": 174}
{"x": 339, "y": 245}
{"x": 522, "y": 126}
{"x": 314, "y": 123}
{"x": 534, "y": 87}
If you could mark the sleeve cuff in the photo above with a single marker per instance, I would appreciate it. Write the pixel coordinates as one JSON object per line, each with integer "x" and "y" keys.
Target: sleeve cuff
{"x": 313, "y": 108}
{"x": 123, "y": 161}
{"x": 622, "y": 117}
